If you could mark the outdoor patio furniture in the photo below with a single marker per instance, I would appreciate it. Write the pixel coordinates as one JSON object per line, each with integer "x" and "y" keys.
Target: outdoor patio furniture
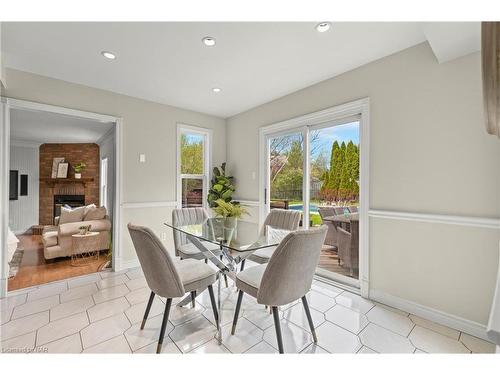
{"x": 339, "y": 210}
{"x": 353, "y": 209}
{"x": 348, "y": 249}
{"x": 286, "y": 278}
{"x": 282, "y": 203}
{"x": 331, "y": 236}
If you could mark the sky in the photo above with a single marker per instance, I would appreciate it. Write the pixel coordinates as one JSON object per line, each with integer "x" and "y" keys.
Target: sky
{"x": 341, "y": 133}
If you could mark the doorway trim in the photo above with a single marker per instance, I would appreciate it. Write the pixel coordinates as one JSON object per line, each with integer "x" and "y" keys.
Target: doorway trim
{"x": 360, "y": 107}
{"x": 6, "y": 104}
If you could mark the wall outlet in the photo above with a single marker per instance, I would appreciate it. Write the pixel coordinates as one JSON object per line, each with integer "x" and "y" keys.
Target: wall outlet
{"x": 142, "y": 158}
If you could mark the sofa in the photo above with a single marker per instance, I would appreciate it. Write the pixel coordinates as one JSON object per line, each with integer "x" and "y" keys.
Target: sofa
{"x": 56, "y": 239}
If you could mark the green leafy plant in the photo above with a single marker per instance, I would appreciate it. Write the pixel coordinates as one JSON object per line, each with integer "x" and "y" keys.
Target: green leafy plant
{"x": 222, "y": 187}
{"x": 79, "y": 167}
{"x": 228, "y": 209}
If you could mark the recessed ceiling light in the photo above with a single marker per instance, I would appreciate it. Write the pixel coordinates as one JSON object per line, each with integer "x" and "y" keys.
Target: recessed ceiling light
{"x": 323, "y": 26}
{"x": 216, "y": 89}
{"x": 108, "y": 55}
{"x": 208, "y": 41}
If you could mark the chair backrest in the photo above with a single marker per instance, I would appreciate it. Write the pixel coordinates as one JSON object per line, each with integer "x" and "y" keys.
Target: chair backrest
{"x": 339, "y": 210}
{"x": 186, "y": 216}
{"x": 353, "y": 209}
{"x": 158, "y": 267}
{"x": 326, "y": 211}
{"x": 289, "y": 273}
{"x": 282, "y": 219}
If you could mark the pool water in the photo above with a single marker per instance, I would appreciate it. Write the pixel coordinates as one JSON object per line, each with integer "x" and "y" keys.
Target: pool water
{"x": 313, "y": 208}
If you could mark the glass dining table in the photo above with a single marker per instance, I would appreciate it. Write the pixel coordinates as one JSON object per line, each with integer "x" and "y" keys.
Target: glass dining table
{"x": 235, "y": 240}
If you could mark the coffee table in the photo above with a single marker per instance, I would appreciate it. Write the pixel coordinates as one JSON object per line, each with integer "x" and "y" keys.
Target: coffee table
{"x": 85, "y": 248}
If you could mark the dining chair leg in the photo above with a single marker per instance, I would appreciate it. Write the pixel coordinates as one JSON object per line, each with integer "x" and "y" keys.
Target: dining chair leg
{"x": 148, "y": 307}
{"x": 237, "y": 311}
{"x": 277, "y": 326}
{"x": 242, "y": 265}
{"x": 214, "y": 306}
{"x": 164, "y": 325}
{"x": 206, "y": 261}
{"x": 309, "y": 318}
{"x": 193, "y": 297}
{"x": 225, "y": 276}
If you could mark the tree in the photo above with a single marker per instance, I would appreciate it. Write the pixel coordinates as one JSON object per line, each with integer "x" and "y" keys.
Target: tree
{"x": 191, "y": 154}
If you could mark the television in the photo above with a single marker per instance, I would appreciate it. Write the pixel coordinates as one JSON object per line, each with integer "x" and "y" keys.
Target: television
{"x": 13, "y": 185}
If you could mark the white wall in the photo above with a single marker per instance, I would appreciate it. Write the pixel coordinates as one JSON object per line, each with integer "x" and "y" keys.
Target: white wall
{"x": 429, "y": 153}
{"x": 107, "y": 150}
{"x": 23, "y": 212}
{"x": 2, "y": 67}
{"x": 148, "y": 128}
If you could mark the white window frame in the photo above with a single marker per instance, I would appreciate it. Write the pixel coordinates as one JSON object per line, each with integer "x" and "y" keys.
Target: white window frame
{"x": 312, "y": 121}
{"x": 104, "y": 182}
{"x": 207, "y": 160}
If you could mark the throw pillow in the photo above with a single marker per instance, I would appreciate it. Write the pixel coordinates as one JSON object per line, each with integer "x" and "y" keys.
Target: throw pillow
{"x": 71, "y": 215}
{"x": 97, "y": 213}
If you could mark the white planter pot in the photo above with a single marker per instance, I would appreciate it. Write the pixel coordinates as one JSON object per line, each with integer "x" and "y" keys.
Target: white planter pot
{"x": 78, "y": 175}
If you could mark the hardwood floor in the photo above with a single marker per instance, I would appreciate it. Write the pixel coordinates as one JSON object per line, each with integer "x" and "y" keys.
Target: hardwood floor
{"x": 35, "y": 269}
{"x": 330, "y": 261}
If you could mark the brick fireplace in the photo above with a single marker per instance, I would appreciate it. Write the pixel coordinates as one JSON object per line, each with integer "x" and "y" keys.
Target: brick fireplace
{"x": 54, "y": 191}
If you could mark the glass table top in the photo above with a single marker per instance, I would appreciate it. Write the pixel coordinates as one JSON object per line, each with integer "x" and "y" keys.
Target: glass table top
{"x": 240, "y": 235}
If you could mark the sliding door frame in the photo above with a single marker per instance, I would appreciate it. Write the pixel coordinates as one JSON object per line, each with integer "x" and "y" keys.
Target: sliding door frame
{"x": 305, "y": 124}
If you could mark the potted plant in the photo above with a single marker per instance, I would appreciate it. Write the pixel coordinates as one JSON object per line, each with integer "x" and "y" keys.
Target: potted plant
{"x": 222, "y": 187}
{"x": 230, "y": 211}
{"x": 78, "y": 169}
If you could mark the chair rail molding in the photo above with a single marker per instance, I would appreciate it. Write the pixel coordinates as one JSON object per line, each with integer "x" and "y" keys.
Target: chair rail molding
{"x": 149, "y": 204}
{"x": 471, "y": 221}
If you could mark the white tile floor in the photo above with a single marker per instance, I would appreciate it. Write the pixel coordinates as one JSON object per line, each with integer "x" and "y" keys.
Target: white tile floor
{"x": 101, "y": 313}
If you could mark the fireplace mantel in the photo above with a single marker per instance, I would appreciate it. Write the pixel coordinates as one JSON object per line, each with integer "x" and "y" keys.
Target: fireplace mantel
{"x": 55, "y": 181}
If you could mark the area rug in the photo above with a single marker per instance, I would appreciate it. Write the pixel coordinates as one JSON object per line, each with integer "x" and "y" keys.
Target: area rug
{"x": 15, "y": 262}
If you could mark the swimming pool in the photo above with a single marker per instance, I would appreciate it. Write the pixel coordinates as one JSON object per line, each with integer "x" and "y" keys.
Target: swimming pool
{"x": 313, "y": 208}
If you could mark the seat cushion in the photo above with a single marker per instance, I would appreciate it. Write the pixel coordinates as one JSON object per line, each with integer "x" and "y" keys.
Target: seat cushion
{"x": 49, "y": 239}
{"x": 195, "y": 274}
{"x": 190, "y": 251}
{"x": 249, "y": 280}
{"x": 262, "y": 255}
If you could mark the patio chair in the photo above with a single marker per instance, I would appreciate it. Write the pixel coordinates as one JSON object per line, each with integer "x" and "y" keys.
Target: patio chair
{"x": 348, "y": 249}
{"x": 286, "y": 278}
{"x": 339, "y": 210}
{"x": 331, "y": 236}
{"x": 278, "y": 219}
{"x": 353, "y": 209}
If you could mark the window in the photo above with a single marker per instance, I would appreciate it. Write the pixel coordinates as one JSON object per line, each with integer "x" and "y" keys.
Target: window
{"x": 193, "y": 159}
{"x": 104, "y": 182}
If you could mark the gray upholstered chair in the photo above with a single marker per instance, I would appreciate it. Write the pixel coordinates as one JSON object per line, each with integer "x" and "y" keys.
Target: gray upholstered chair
{"x": 278, "y": 219}
{"x": 286, "y": 278}
{"x": 331, "y": 236}
{"x": 168, "y": 278}
{"x": 183, "y": 248}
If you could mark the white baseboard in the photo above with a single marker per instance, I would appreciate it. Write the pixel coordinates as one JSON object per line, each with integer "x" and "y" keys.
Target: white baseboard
{"x": 440, "y": 317}
{"x": 132, "y": 263}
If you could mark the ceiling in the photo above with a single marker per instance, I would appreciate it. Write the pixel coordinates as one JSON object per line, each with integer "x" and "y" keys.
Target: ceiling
{"x": 253, "y": 63}
{"x": 44, "y": 127}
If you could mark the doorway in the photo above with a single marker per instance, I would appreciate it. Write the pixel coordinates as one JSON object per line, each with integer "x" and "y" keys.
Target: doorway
{"x": 75, "y": 179}
{"x": 318, "y": 164}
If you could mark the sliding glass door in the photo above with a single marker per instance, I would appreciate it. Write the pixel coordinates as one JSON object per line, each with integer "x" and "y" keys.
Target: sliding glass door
{"x": 286, "y": 171}
{"x": 315, "y": 169}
